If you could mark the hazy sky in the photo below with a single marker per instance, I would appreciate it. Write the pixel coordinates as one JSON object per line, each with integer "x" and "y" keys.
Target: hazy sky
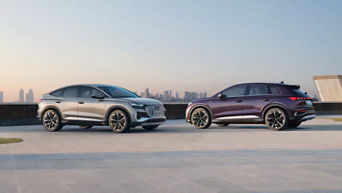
{"x": 178, "y": 45}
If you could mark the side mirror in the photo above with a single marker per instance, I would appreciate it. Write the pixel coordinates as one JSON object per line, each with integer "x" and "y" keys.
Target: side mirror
{"x": 221, "y": 96}
{"x": 97, "y": 96}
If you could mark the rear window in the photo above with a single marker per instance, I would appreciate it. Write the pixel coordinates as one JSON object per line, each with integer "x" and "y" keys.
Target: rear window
{"x": 57, "y": 93}
{"x": 273, "y": 90}
{"x": 70, "y": 92}
{"x": 258, "y": 89}
{"x": 299, "y": 93}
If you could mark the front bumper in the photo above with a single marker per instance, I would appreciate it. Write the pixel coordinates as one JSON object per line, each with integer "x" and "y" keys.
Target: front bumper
{"x": 148, "y": 121}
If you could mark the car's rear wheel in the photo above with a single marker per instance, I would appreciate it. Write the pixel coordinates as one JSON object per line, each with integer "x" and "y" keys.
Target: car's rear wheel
{"x": 276, "y": 119}
{"x": 119, "y": 121}
{"x": 200, "y": 118}
{"x": 222, "y": 124}
{"x": 150, "y": 127}
{"x": 86, "y": 126}
{"x": 52, "y": 120}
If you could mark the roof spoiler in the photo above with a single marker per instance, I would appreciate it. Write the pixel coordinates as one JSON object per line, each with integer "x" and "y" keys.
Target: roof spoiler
{"x": 294, "y": 86}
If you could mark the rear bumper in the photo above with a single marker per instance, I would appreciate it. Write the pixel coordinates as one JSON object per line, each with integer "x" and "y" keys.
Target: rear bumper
{"x": 304, "y": 115}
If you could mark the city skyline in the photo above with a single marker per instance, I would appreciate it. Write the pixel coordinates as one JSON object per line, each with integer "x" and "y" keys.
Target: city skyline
{"x": 176, "y": 45}
{"x": 166, "y": 96}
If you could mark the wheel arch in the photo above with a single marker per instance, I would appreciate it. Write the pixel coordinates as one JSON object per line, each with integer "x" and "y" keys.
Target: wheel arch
{"x": 274, "y": 105}
{"x": 200, "y": 106}
{"x": 116, "y": 107}
{"x": 50, "y": 107}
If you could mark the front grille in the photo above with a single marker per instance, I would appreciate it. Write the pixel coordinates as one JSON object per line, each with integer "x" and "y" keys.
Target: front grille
{"x": 141, "y": 114}
{"x": 154, "y": 110}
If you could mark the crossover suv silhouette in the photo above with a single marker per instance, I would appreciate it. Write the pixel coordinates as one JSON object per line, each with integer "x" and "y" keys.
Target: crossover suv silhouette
{"x": 95, "y": 104}
{"x": 277, "y": 105}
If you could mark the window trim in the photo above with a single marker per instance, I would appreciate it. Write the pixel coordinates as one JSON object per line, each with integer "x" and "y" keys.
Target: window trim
{"x": 268, "y": 90}
{"x": 247, "y": 87}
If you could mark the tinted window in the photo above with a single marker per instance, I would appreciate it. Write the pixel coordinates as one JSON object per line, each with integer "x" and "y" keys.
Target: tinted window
{"x": 87, "y": 92}
{"x": 299, "y": 93}
{"x": 235, "y": 91}
{"x": 117, "y": 92}
{"x": 273, "y": 90}
{"x": 57, "y": 93}
{"x": 258, "y": 89}
{"x": 70, "y": 92}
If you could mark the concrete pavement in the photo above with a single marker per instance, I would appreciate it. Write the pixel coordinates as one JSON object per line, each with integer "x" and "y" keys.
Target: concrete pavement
{"x": 175, "y": 158}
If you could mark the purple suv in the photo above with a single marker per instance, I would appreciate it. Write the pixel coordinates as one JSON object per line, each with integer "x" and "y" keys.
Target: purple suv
{"x": 277, "y": 105}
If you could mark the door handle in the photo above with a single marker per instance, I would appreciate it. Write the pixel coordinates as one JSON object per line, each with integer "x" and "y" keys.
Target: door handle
{"x": 58, "y": 101}
{"x": 239, "y": 101}
{"x": 80, "y": 102}
{"x": 266, "y": 99}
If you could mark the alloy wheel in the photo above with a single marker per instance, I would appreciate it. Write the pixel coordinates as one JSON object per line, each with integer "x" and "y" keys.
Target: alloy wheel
{"x": 200, "y": 118}
{"x": 118, "y": 121}
{"x": 276, "y": 119}
{"x": 51, "y": 120}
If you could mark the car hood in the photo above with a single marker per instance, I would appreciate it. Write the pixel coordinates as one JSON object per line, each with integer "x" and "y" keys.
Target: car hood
{"x": 145, "y": 101}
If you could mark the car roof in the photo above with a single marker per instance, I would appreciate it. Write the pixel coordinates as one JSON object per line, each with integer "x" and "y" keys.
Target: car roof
{"x": 269, "y": 83}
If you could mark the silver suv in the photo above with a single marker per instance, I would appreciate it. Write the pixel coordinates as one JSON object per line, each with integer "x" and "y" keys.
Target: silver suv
{"x": 95, "y": 104}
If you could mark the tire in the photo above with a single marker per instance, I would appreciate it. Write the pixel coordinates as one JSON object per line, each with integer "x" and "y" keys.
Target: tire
{"x": 150, "y": 127}
{"x": 200, "y": 118}
{"x": 293, "y": 124}
{"x": 118, "y": 121}
{"x": 86, "y": 126}
{"x": 222, "y": 124}
{"x": 52, "y": 120}
{"x": 276, "y": 119}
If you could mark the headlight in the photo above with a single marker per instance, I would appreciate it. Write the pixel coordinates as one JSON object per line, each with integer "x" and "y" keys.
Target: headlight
{"x": 137, "y": 105}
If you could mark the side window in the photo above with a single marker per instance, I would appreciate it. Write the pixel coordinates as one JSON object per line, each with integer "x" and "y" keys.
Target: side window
{"x": 57, "y": 93}
{"x": 71, "y": 92}
{"x": 87, "y": 92}
{"x": 258, "y": 89}
{"x": 273, "y": 90}
{"x": 235, "y": 91}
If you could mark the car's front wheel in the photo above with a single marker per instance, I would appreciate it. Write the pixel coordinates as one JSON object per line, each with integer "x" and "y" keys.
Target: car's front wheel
{"x": 200, "y": 118}
{"x": 52, "y": 120}
{"x": 119, "y": 121}
{"x": 276, "y": 119}
{"x": 150, "y": 127}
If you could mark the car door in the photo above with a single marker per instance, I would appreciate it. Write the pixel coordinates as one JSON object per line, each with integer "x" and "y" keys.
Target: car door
{"x": 258, "y": 97}
{"x": 67, "y": 103}
{"x": 232, "y": 104}
{"x": 89, "y": 107}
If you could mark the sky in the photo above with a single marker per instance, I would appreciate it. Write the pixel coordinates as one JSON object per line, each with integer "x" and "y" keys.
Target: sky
{"x": 192, "y": 45}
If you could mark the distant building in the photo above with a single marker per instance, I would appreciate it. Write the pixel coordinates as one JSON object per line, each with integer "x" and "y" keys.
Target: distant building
{"x": 189, "y": 96}
{"x": 29, "y": 96}
{"x": 329, "y": 87}
{"x": 1, "y": 97}
{"x": 21, "y": 96}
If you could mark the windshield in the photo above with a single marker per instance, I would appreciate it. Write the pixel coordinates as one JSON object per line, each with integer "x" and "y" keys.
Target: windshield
{"x": 117, "y": 92}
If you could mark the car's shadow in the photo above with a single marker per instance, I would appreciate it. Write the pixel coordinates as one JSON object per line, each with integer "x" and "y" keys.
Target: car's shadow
{"x": 170, "y": 128}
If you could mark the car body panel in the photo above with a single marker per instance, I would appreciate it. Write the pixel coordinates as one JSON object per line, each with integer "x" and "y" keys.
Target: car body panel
{"x": 78, "y": 110}
{"x": 252, "y": 108}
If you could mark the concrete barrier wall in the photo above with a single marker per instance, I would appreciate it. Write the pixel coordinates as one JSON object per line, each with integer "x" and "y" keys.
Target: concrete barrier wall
{"x": 25, "y": 114}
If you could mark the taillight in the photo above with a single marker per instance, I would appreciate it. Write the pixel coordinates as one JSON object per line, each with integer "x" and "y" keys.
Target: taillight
{"x": 39, "y": 101}
{"x": 300, "y": 98}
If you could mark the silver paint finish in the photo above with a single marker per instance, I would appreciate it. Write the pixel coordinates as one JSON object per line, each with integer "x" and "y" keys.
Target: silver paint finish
{"x": 97, "y": 110}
